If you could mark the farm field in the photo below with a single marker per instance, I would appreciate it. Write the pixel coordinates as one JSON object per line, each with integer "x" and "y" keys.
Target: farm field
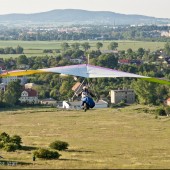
{"x": 127, "y": 138}
{"x": 35, "y": 48}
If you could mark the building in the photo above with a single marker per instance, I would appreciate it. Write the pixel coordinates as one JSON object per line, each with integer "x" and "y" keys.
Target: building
{"x": 124, "y": 61}
{"x": 6, "y": 80}
{"x": 101, "y": 104}
{"x": 49, "y": 101}
{"x": 29, "y": 96}
{"x": 29, "y": 86}
{"x": 126, "y": 95}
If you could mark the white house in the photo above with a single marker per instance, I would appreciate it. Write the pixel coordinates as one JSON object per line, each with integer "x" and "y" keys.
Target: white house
{"x": 29, "y": 96}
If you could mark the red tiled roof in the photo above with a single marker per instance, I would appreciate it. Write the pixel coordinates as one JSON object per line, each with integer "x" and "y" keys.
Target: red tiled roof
{"x": 124, "y": 61}
{"x": 75, "y": 87}
{"x": 31, "y": 92}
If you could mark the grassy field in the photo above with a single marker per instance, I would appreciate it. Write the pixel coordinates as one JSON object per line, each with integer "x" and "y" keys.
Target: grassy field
{"x": 100, "y": 138}
{"x": 35, "y": 48}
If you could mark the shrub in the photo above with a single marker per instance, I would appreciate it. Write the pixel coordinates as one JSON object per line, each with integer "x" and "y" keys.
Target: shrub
{"x": 8, "y": 143}
{"x": 10, "y": 147}
{"x": 161, "y": 112}
{"x": 46, "y": 154}
{"x": 59, "y": 145}
{"x": 4, "y": 137}
{"x": 16, "y": 140}
{"x": 1, "y": 145}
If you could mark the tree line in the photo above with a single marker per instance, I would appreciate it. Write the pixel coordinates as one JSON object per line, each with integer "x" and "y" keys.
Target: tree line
{"x": 99, "y": 32}
{"x": 10, "y": 50}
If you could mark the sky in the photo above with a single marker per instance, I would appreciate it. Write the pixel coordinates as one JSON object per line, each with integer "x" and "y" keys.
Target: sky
{"x": 155, "y": 8}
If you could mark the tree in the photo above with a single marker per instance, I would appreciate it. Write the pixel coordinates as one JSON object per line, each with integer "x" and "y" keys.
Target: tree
{"x": 75, "y": 46}
{"x": 99, "y": 45}
{"x": 85, "y": 46}
{"x": 107, "y": 60}
{"x": 145, "y": 91}
{"x": 129, "y": 51}
{"x": 141, "y": 52}
{"x": 2, "y": 51}
{"x": 13, "y": 92}
{"x": 22, "y": 59}
{"x": 112, "y": 45}
{"x": 65, "y": 46}
{"x": 19, "y": 50}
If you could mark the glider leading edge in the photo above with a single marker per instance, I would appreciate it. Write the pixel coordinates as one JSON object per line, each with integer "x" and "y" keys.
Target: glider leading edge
{"x": 84, "y": 70}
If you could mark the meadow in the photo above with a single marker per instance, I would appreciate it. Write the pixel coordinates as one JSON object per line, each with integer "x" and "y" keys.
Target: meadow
{"x": 35, "y": 48}
{"x": 128, "y": 138}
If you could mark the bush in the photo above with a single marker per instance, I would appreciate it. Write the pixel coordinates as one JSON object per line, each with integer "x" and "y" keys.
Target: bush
{"x": 59, "y": 145}
{"x": 161, "y": 112}
{"x": 10, "y": 147}
{"x": 1, "y": 145}
{"x": 4, "y": 137}
{"x": 46, "y": 154}
{"x": 16, "y": 140}
{"x": 8, "y": 143}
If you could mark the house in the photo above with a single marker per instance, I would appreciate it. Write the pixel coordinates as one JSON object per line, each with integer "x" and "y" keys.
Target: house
{"x": 124, "y": 61}
{"x": 29, "y": 85}
{"x": 126, "y": 95}
{"x": 23, "y": 66}
{"x": 71, "y": 105}
{"x": 29, "y": 96}
{"x": 101, "y": 104}
{"x": 6, "y": 80}
{"x": 49, "y": 101}
{"x": 77, "y": 87}
{"x": 168, "y": 102}
{"x": 76, "y": 61}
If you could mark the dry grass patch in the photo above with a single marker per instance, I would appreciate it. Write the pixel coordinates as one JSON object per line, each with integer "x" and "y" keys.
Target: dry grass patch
{"x": 99, "y": 138}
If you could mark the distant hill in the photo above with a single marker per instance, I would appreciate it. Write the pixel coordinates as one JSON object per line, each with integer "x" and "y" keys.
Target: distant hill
{"x": 75, "y": 16}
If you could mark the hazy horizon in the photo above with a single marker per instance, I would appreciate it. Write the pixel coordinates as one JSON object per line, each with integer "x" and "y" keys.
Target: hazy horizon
{"x": 154, "y": 8}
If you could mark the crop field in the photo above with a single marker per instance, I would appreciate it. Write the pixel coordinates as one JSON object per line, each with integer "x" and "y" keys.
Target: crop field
{"x": 35, "y": 48}
{"x": 129, "y": 138}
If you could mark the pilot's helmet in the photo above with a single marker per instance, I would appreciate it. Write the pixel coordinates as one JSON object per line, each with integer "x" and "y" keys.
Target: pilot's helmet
{"x": 84, "y": 87}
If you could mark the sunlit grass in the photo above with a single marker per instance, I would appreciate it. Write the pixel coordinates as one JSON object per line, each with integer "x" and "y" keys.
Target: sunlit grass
{"x": 99, "y": 138}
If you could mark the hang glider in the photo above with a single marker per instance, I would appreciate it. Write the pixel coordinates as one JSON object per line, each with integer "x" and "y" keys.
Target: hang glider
{"x": 84, "y": 70}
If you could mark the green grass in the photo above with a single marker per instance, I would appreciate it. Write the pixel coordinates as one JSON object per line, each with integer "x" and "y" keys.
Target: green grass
{"x": 35, "y": 48}
{"x": 100, "y": 138}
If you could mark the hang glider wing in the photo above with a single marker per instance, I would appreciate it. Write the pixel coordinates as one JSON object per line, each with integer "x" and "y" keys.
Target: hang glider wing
{"x": 19, "y": 73}
{"x": 84, "y": 70}
{"x": 90, "y": 71}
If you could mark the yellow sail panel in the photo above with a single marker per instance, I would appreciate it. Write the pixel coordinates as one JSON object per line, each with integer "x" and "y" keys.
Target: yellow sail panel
{"x": 21, "y": 73}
